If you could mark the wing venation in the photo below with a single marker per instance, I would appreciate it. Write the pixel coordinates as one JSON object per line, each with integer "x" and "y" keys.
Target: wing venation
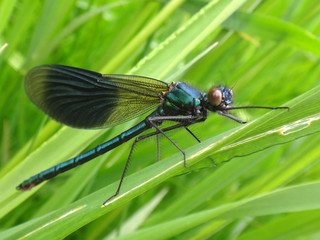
{"x": 85, "y": 99}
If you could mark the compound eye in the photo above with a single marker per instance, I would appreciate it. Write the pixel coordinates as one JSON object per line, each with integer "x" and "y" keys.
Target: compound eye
{"x": 215, "y": 96}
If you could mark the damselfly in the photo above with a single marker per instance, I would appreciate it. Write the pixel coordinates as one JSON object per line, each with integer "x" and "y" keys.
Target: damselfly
{"x": 85, "y": 99}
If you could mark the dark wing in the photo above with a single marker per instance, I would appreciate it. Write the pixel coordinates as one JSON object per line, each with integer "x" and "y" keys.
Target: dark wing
{"x": 85, "y": 99}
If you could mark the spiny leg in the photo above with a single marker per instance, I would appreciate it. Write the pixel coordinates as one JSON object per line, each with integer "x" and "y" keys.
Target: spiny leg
{"x": 158, "y": 141}
{"x": 185, "y": 121}
{"x": 158, "y": 138}
{"x": 176, "y": 145}
{"x": 125, "y": 169}
{"x": 188, "y": 120}
{"x": 184, "y": 124}
{"x": 130, "y": 154}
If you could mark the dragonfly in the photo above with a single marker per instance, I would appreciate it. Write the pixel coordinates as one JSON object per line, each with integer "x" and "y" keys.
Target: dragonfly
{"x": 86, "y": 99}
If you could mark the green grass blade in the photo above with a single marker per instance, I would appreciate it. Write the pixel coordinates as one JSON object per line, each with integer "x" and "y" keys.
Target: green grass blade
{"x": 147, "y": 178}
{"x": 295, "y": 225}
{"x": 268, "y": 48}
{"x": 270, "y": 28}
{"x": 290, "y": 199}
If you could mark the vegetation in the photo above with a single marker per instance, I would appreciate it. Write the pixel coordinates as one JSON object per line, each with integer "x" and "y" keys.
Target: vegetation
{"x": 259, "y": 179}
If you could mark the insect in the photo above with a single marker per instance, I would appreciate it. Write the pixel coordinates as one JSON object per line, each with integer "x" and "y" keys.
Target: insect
{"x": 85, "y": 99}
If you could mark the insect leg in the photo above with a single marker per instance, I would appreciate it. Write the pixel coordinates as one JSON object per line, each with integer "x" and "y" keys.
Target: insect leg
{"x": 187, "y": 120}
{"x": 127, "y": 164}
{"x": 230, "y": 116}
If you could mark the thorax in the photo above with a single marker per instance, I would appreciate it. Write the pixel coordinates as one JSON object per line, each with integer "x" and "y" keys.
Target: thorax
{"x": 182, "y": 99}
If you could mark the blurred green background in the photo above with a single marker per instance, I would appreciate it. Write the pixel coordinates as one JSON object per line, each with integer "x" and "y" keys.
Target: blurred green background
{"x": 268, "y": 50}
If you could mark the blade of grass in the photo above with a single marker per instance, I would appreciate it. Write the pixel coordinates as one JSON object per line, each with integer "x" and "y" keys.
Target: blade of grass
{"x": 271, "y": 28}
{"x": 86, "y": 209}
{"x": 6, "y": 8}
{"x": 296, "y": 198}
{"x": 292, "y": 226}
{"x": 142, "y": 36}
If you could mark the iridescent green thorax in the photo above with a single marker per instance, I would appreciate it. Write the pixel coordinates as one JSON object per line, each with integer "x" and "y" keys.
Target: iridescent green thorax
{"x": 181, "y": 99}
